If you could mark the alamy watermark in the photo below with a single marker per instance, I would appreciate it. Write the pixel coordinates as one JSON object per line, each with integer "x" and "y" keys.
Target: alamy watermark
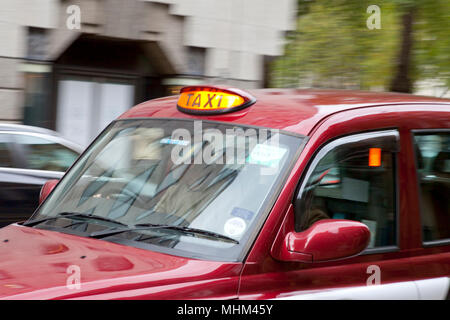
{"x": 235, "y": 146}
{"x": 74, "y": 279}
{"x": 374, "y": 20}
{"x": 73, "y": 21}
{"x": 375, "y": 275}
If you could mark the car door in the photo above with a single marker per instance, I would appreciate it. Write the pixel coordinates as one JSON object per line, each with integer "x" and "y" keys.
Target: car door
{"x": 11, "y": 192}
{"x": 432, "y": 165}
{"x": 36, "y": 159}
{"x": 353, "y": 177}
{"x": 357, "y": 182}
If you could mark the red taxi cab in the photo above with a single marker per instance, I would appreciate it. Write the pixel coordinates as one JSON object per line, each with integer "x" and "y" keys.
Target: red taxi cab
{"x": 223, "y": 194}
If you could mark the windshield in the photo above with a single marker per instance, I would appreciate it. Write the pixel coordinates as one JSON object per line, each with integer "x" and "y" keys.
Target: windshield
{"x": 199, "y": 175}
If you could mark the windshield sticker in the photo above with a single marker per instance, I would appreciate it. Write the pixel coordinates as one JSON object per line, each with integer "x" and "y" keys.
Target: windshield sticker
{"x": 176, "y": 142}
{"x": 242, "y": 213}
{"x": 234, "y": 227}
{"x": 266, "y": 155}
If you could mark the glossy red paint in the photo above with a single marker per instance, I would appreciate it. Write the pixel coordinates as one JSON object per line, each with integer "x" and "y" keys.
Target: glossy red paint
{"x": 33, "y": 262}
{"x": 288, "y": 109}
{"x": 46, "y": 189}
{"x": 325, "y": 240}
{"x": 34, "y": 265}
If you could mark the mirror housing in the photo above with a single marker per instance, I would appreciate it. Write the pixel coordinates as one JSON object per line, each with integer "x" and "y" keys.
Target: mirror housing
{"x": 325, "y": 240}
{"x": 46, "y": 189}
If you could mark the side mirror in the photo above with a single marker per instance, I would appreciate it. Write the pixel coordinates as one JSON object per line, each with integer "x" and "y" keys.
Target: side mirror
{"x": 46, "y": 189}
{"x": 325, "y": 240}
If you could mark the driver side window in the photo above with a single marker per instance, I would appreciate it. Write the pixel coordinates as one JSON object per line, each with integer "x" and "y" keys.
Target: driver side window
{"x": 353, "y": 178}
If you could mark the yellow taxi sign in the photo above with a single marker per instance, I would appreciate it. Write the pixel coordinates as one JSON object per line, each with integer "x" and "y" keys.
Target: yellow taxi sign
{"x": 212, "y": 100}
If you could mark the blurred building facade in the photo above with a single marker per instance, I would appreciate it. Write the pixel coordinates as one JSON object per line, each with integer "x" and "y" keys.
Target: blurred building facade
{"x": 127, "y": 51}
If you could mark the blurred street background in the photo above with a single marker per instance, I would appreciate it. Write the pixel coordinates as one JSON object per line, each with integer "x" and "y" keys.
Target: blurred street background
{"x": 75, "y": 65}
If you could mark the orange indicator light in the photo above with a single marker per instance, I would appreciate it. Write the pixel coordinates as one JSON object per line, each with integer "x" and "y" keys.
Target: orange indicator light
{"x": 374, "y": 157}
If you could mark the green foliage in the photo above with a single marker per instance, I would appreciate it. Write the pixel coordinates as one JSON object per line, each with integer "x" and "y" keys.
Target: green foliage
{"x": 332, "y": 46}
{"x": 432, "y": 47}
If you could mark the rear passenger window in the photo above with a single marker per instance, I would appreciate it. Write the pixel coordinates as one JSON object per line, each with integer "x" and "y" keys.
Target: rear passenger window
{"x": 433, "y": 166}
{"x": 43, "y": 154}
{"x": 5, "y": 154}
{"x": 353, "y": 178}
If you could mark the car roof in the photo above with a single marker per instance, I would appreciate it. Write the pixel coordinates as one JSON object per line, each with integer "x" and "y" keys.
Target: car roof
{"x": 294, "y": 110}
{"x": 25, "y": 128}
{"x": 12, "y": 127}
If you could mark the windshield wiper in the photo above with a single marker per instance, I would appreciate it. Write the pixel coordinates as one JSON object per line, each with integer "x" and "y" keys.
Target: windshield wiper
{"x": 149, "y": 226}
{"x": 32, "y": 223}
{"x": 127, "y": 228}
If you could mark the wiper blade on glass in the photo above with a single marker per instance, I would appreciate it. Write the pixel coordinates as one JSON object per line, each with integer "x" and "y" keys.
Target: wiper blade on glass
{"x": 148, "y": 226}
{"x": 32, "y": 223}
